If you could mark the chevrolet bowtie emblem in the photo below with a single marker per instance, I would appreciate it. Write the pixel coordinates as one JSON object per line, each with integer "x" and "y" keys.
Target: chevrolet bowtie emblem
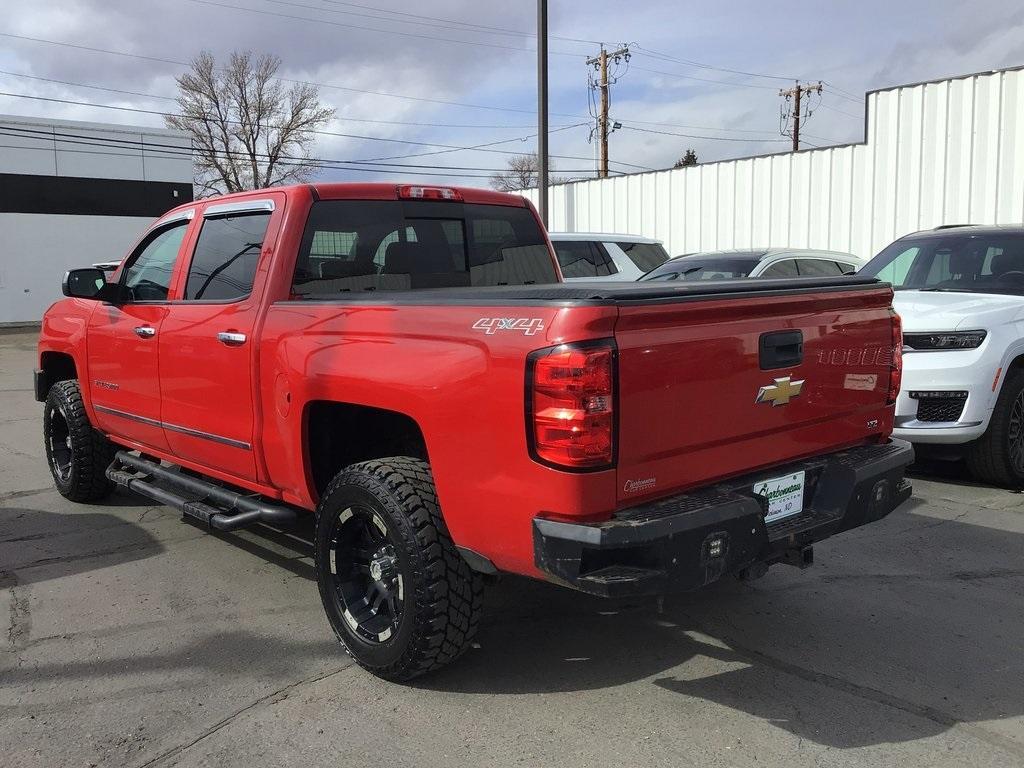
{"x": 781, "y": 392}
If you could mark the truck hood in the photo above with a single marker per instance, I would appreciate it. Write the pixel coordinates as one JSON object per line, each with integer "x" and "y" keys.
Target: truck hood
{"x": 949, "y": 311}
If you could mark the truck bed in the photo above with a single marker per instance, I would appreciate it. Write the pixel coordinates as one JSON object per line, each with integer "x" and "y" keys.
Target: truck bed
{"x": 604, "y": 293}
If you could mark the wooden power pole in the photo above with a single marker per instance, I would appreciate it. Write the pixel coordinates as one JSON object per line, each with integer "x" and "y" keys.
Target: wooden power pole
{"x": 795, "y": 94}
{"x": 600, "y": 63}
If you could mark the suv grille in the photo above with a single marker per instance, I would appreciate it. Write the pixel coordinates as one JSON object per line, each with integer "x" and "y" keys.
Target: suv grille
{"x": 940, "y": 408}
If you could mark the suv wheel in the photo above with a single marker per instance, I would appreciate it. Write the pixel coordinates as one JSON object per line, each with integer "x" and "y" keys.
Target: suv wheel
{"x": 78, "y": 455}
{"x": 997, "y": 457}
{"x": 397, "y": 593}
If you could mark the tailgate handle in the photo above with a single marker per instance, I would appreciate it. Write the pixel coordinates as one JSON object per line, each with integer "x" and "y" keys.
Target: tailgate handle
{"x": 781, "y": 349}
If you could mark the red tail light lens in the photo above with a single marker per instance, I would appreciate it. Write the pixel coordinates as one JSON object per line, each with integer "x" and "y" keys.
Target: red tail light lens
{"x": 571, "y": 405}
{"x": 896, "y": 370}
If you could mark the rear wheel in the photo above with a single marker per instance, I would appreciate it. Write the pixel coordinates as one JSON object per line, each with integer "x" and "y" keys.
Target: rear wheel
{"x": 78, "y": 455}
{"x": 396, "y": 591}
{"x": 997, "y": 457}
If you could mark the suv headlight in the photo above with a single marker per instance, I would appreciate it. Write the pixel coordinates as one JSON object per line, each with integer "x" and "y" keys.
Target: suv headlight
{"x": 939, "y": 341}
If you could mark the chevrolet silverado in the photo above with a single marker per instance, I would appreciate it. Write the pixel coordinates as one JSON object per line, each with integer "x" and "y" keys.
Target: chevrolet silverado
{"x": 406, "y": 364}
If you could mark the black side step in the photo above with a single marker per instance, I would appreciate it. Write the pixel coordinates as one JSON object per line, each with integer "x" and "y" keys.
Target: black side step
{"x": 211, "y": 504}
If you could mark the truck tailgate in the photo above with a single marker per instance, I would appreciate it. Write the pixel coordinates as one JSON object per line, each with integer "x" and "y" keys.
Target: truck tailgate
{"x": 715, "y": 386}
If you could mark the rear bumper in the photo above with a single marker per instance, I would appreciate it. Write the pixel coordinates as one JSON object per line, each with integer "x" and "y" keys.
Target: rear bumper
{"x": 685, "y": 542}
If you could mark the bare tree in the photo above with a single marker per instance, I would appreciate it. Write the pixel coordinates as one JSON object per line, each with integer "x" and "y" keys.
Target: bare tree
{"x": 248, "y": 130}
{"x": 521, "y": 174}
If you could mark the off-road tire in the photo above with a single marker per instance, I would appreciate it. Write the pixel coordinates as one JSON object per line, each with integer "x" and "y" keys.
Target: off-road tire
{"x": 85, "y": 478}
{"x": 443, "y": 595}
{"x": 990, "y": 457}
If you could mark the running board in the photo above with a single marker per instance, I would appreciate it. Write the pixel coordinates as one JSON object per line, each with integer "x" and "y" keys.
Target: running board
{"x": 200, "y": 499}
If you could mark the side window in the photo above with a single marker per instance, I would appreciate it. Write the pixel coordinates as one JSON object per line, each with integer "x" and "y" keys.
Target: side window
{"x": 786, "y": 268}
{"x": 895, "y": 271}
{"x": 846, "y": 269}
{"x": 817, "y": 268}
{"x": 226, "y": 256}
{"x": 581, "y": 258}
{"x": 148, "y": 274}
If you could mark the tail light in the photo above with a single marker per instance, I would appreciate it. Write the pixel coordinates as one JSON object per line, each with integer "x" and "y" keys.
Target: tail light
{"x": 896, "y": 369}
{"x": 407, "y": 192}
{"x": 570, "y": 405}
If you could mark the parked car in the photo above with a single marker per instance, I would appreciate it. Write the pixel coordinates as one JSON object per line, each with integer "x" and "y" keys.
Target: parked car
{"x": 960, "y": 292}
{"x": 397, "y": 361}
{"x": 593, "y": 256}
{"x": 756, "y": 262}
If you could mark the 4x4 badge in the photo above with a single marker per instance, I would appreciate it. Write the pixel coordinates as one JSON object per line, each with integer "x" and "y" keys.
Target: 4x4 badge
{"x": 779, "y": 393}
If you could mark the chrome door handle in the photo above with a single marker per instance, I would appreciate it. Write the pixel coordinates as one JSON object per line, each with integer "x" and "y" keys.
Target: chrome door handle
{"x": 145, "y": 332}
{"x": 231, "y": 338}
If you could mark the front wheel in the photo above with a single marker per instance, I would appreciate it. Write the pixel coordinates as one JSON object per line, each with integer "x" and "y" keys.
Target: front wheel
{"x": 78, "y": 455}
{"x": 997, "y": 457}
{"x": 396, "y": 591}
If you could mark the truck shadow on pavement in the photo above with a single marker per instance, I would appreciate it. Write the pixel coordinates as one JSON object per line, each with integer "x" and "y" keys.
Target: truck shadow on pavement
{"x": 38, "y": 545}
{"x": 908, "y": 629}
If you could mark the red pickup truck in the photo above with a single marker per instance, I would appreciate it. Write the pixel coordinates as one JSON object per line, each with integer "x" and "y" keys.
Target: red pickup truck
{"x": 405, "y": 363}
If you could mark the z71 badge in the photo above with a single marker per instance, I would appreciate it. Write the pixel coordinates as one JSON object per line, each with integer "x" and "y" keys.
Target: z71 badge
{"x": 525, "y": 325}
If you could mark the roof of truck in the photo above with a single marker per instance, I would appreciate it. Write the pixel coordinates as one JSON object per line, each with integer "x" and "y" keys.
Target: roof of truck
{"x": 377, "y": 190}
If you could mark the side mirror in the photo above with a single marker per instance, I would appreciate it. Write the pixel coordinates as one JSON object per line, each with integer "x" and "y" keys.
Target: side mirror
{"x": 88, "y": 283}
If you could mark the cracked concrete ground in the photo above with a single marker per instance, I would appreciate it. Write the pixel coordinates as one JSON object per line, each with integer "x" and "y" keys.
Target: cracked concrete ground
{"x": 134, "y": 639}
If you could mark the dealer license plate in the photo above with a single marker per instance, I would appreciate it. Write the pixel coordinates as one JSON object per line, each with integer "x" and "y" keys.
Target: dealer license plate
{"x": 785, "y": 495}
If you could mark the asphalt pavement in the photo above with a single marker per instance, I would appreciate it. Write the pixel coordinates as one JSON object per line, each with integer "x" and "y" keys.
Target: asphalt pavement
{"x": 136, "y": 639}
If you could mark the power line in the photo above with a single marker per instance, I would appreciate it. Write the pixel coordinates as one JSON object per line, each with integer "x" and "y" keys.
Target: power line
{"x": 841, "y": 112}
{"x": 447, "y": 147}
{"x": 691, "y": 136}
{"x": 845, "y": 94}
{"x": 702, "y": 65}
{"x": 343, "y": 118}
{"x": 723, "y": 83}
{"x": 321, "y": 22}
{"x": 173, "y": 150}
{"x": 701, "y": 127}
{"x": 287, "y": 80}
{"x": 479, "y": 148}
{"x": 426, "y": 21}
{"x": 504, "y": 30}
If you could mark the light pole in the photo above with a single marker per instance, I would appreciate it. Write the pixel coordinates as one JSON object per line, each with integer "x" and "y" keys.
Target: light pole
{"x": 542, "y": 111}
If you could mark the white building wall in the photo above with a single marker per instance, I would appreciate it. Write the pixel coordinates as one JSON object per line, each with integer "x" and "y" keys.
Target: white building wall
{"x": 37, "y": 248}
{"x": 935, "y": 153}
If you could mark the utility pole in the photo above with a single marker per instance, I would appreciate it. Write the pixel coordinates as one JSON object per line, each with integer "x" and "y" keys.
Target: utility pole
{"x": 600, "y": 63}
{"x": 795, "y": 94}
{"x": 542, "y": 111}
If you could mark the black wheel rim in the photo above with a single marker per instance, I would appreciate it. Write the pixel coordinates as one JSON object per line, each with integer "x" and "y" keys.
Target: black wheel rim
{"x": 59, "y": 442}
{"x": 1016, "y": 434}
{"x": 365, "y": 573}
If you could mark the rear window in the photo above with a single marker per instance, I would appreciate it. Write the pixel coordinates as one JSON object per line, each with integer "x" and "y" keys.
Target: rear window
{"x": 646, "y": 256}
{"x": 355, "y": 245}
{"x": 818, "y": 268}
{"x": 582, "y": 258}
{"x": 699, "y": 268}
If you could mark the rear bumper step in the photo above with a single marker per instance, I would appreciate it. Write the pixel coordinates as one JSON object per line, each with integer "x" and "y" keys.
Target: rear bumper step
{"x": 194, "y": 497}
{"x": 684, "y": 542}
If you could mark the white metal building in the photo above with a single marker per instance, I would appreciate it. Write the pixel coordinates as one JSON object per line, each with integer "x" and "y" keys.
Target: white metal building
{"x": 943, "y": 152}
{"x": 72, "y": 194}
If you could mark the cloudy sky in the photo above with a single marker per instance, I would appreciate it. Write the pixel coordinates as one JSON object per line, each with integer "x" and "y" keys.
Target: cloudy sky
{"x": 417, "y": 78}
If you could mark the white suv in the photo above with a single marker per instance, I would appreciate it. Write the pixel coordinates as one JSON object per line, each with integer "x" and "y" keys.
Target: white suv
{"x": 960, "y": 292}
{"x": 595, "y": 256}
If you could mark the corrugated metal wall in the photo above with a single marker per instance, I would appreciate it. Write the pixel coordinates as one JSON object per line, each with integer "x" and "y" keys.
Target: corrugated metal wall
{"x": 944, "y": 152}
